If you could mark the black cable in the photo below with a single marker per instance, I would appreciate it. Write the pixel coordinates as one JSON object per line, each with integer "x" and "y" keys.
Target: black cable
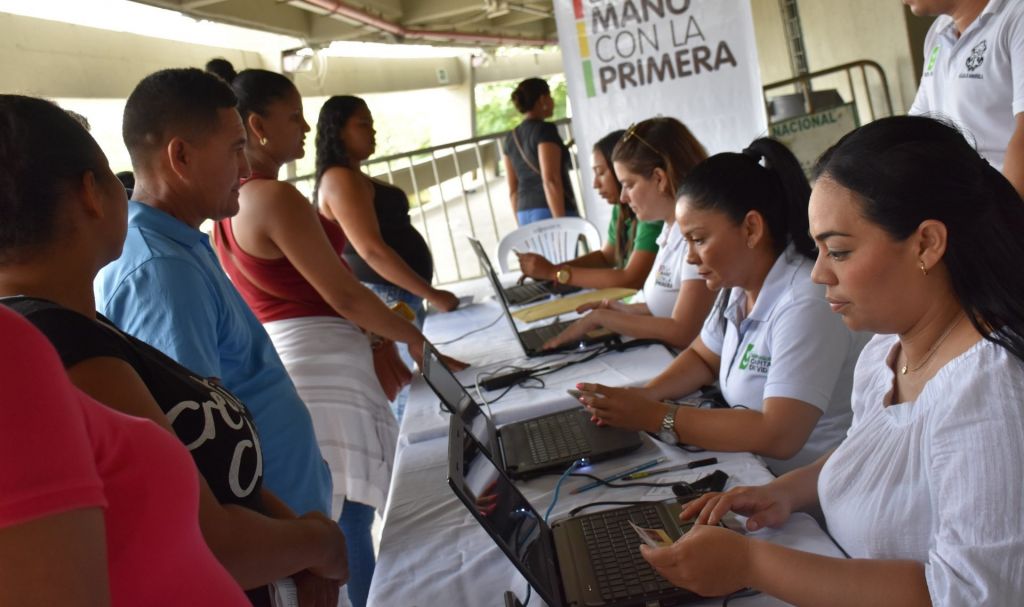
{"x": 739, "y": 594}
{"x": 615, "y": 485}
{"x": 477, "y": 330}
{"x": 579, "y": 509}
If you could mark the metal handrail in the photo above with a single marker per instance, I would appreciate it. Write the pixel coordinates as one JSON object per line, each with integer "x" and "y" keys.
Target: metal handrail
{"x": 804, "y": 80}
{"x": 434, "y": 149}
{"x": 447, "y": 209}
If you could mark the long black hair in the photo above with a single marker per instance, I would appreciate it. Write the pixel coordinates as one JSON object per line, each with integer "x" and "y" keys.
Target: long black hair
{"x": 44, "y": 152}
{"x": 907, "y": 169}
{"x": 737, "y": 183}
{"x": 330, "y": 149}
{"x": 626, "y": 224}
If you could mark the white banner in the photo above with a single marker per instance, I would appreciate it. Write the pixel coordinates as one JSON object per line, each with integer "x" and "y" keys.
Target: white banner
{"x": 627, "y": 60}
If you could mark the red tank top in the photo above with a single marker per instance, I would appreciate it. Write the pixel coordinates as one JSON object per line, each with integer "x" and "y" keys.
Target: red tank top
{"x": 274, "y": 288}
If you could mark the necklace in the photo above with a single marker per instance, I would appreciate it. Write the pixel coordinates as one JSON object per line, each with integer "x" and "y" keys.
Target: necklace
{"x": 931, "y": 351}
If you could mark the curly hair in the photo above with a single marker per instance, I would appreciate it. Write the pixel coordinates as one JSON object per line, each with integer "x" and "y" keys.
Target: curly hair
{"x": 330, "y": 150}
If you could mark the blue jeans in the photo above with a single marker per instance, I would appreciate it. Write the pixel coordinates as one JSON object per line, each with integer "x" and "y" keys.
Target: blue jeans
{"x": 356, "y": 521}
{"x": 531, "y": 215}
{"x": 390, "y": 294}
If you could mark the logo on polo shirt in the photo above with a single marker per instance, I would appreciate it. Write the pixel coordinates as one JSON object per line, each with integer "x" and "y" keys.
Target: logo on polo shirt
{"x": 932, "y": 59}
{"x": 976, "y": 58}
{"x": 754, "y": 362}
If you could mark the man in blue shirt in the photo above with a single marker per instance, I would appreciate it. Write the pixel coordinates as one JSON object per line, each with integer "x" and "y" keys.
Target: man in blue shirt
{"x": 186, "y": 142}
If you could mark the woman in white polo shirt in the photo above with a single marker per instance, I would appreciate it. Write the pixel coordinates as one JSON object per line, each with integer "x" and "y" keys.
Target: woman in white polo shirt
{"x": 915, "y": 231}
{"x": 784, "y": 362}
{"x": 651, "y": 160}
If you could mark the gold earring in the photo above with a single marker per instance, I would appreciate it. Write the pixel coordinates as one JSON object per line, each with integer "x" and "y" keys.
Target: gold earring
{"x": 263, "y": 141}
{"x": 924, "y": 270}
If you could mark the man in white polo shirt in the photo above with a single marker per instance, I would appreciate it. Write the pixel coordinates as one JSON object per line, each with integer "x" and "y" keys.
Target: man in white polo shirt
{"x": 974, "y": 75}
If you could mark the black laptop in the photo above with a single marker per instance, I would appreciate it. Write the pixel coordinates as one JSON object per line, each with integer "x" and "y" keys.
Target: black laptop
{"x": 545, "y": 444}
{"x": 532, "y": 340}
{"x": 591, "y": 559}
{"x": 525, "y": 293}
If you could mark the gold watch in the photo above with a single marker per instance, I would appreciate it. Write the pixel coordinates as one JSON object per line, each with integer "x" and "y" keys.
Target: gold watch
{"x": 563, "y": 275}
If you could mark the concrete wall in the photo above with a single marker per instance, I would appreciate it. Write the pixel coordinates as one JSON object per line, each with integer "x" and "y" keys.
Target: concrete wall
{"x": 839, "y": 31}
{"x": 772, "y": 52}
{"x": 51, "y": 59}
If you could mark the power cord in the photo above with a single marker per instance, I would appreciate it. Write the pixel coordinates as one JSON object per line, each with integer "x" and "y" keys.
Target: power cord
{"x": 739, "y": 594}
{"x": 464, "y": 335}
{"x": 615, "y": 485}
{"x": 558, "y": 486}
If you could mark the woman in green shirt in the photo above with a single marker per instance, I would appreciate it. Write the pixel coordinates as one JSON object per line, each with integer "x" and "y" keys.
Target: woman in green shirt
{"x": 626, "y": 259}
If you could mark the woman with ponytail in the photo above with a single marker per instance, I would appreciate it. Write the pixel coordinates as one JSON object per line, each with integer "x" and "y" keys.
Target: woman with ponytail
{"x": 914, "y": 232}
{"x": 285, "y": 259}
{"x": 536, "y": 161}
{"x": 627, "y": 257}
{"x": 783, "y": 361}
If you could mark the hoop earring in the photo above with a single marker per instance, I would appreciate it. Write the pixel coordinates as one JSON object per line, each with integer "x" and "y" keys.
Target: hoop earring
{"x": 263, "y": 141}
{"x": 924, "y": 270}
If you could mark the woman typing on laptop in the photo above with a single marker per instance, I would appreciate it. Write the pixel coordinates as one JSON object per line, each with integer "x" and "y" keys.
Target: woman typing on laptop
{"x": 627, "y": 257}
{"x": 651, "y": 160}
{"x": 784, "y": 362}
{"x": 914, "y": 231}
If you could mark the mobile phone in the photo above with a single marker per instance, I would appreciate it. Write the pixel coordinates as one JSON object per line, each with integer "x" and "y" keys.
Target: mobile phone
{"x": 575, "y": 393}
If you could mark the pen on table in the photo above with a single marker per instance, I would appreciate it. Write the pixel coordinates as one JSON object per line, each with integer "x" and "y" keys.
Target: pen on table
{"x": 619, "y": 475}
{"x": 645, "y": 473}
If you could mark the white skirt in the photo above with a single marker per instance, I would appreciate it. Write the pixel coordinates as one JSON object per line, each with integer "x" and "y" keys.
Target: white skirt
{"x": 331, "y": 363}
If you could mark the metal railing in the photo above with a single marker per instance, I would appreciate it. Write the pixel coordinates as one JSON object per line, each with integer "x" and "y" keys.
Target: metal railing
{"x": 862, "y": 91}
{"x": 456, "y": 190}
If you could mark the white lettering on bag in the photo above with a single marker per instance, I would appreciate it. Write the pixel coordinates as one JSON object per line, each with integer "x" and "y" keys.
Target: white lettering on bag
{"x": 232, "y": 413}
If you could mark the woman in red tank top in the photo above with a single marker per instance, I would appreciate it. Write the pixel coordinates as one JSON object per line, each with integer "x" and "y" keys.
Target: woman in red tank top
{"x": 286, "y": 260}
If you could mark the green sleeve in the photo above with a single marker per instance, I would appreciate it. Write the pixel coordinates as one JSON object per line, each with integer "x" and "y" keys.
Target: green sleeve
{"x": 647, "y": 234}
{"x": 611, "y": 225}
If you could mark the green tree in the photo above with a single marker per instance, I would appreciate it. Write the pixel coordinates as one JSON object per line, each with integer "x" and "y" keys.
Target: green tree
{"x": 495, "y": 112}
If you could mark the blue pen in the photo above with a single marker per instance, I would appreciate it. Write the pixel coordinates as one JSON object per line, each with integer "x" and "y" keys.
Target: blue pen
{"x": 619, "y": 475}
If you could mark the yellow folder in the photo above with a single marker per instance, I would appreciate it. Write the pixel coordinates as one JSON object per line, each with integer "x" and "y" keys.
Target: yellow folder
{"x": 567, "y": 304}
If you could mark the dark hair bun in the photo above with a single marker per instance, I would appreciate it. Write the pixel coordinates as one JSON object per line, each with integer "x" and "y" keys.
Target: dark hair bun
{"x": 528, "y": 93}
{"x": 223, "y": 68}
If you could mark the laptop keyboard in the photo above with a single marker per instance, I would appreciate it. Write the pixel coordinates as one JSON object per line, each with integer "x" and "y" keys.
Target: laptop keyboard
{"x": 549, "y": 331}
{"x": 613, "y": 547}
{"x": 556, "y": 437}
{"x": 524, "y": 293}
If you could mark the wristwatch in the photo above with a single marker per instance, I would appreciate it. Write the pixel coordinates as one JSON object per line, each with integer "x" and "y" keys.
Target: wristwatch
{"x": 667, "y": 432}
{"x": 563, "y": 275}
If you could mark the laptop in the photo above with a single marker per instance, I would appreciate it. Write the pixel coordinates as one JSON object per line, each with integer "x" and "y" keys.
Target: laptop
{"x": 590, "y": 559}
{"x": 518, "y": 295}
{"x": 533, "y": 340}
{"x": 546, "y": 444}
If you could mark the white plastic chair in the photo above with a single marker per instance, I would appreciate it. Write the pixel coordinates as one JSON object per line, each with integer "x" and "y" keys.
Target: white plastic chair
{"x": 556, "y": 239}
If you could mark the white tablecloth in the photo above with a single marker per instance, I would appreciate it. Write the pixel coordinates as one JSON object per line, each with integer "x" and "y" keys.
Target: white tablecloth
{"x": 433, "y": 552}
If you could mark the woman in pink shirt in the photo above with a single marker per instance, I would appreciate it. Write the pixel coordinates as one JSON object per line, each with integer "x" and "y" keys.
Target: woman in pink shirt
{"x": 96, "y": 507}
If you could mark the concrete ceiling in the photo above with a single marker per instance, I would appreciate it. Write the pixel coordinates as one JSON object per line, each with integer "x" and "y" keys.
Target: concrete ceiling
{"x": 449, "y": 22}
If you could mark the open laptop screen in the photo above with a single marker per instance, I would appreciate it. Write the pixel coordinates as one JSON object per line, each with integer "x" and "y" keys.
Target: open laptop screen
{"x": 503, "y": 512}
{"x": 454, "y": 396}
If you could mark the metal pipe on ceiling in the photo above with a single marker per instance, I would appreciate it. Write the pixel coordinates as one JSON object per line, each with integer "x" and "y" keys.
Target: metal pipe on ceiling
{"x": 335, "y": 7}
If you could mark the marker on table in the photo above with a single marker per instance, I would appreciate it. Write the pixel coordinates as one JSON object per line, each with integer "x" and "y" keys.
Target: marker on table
{"x": 619, "y": 475}
{"x": 697, "y": 464}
